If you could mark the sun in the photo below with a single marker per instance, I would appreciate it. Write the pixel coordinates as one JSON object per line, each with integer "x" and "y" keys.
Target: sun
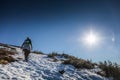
{"x": 91, "y": 38}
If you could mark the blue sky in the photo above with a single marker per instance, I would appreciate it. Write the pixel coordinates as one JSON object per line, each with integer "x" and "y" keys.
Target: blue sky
{"x": 58, "y": 25}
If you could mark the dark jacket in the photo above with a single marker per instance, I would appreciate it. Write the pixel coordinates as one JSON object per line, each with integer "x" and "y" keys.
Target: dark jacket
{"x": 27, "y": 44}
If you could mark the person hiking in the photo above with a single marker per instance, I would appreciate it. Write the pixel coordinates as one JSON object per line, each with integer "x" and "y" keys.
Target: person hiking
{"x": 27, "y": 47}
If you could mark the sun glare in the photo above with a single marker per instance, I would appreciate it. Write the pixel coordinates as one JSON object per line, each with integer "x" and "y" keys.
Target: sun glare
{"x": 91, "y": 39}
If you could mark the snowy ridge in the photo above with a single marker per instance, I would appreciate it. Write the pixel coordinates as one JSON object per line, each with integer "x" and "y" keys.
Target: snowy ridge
{"x": 40, "y": 67}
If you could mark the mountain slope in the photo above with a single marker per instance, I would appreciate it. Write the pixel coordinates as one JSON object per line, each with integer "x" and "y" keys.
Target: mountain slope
{"x": 41, "y": 67}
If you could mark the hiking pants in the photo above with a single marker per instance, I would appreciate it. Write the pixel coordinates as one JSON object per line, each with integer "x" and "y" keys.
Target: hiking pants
{"x": 26, "y": 54}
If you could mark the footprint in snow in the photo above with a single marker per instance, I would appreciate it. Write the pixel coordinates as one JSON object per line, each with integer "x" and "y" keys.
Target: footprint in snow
{"x": 4, "y": 76}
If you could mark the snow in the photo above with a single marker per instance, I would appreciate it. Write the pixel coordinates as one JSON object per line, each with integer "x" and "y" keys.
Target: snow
{"x": 40, "y": 67}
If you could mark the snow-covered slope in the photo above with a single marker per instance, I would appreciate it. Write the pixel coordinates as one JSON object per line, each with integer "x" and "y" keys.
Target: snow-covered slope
{"x": 40, "y": 67}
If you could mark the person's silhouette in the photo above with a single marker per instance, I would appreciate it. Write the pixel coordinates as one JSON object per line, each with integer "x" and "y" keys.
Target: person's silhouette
{"x": 27, "y": 47}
